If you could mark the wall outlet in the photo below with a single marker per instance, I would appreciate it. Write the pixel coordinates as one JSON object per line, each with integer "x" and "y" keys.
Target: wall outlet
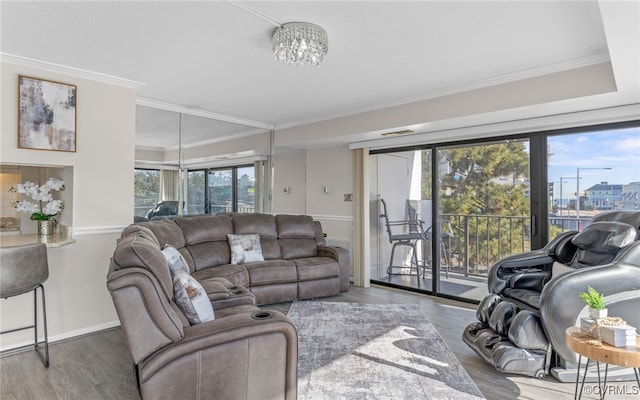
{"x": 287, "y": 190}
{"x": 348, "y": 197}
{"x": 325, "y": 189}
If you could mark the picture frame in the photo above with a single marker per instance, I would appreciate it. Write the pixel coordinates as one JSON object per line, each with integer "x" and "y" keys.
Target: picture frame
{"x": 46, "y": 114}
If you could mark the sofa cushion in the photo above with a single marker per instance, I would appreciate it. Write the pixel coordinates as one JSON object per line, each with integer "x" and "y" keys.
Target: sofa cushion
{"x": 236, "y": 274}
{"x": 192, "y": 299}
{"x": 272, "y": 271}
{"x": 297, "y": 236}
{"x": 166, "y": 232}
{"x": 316, "y": 268}
{"x": 263, "y": 225}
{"x": 207, "y": 228}
{"x": 139, "y": 230}
{"x": 210, "y": 254}
{"x": 136, "y": 251}
{"x": 245, "y": 248}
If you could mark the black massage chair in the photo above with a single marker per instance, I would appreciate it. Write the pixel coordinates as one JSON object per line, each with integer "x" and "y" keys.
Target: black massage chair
{"x": 534, "y": 297}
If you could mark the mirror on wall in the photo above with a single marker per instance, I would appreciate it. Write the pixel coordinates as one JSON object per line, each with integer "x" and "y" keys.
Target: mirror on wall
{"x": 178, "y": 154}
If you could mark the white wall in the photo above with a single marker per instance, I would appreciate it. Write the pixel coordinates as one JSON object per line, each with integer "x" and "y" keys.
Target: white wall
{"x": 331, "y": 167}
{"x": 77, "y": 298}
{"x": 289, "y": 171}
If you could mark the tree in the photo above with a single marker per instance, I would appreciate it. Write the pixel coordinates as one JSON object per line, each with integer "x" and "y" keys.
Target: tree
{"x": 482, "y": 181}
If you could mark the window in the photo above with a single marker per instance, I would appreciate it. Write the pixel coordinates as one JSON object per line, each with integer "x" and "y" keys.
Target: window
{"x": 498, "y": 197}
{"x": 602, "y": 167}
{"x": 229, "y": 189}
{"x": 146, "y": 190}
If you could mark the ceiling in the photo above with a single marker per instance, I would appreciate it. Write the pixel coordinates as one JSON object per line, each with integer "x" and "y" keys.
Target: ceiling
{"x": 215, "y": 56}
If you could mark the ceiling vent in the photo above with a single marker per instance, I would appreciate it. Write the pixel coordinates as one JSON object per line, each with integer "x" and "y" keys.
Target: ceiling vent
{"x": 397, "y": 133}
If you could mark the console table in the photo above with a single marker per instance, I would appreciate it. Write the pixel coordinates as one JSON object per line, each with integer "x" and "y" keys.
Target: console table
{"x": 55, "y": 240}
{"x": 628, "y": 356}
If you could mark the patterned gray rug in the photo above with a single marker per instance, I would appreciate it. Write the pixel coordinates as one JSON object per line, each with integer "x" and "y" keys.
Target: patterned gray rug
{"x": 374, "y": 351}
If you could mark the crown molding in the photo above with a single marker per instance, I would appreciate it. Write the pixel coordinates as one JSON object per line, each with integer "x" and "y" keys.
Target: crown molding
{"x": 463, "y": 87}
{"x": 71, "y": 71}
{"x": 161, "y": 105}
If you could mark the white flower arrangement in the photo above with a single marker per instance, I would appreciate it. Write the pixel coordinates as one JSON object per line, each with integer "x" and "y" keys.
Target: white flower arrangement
{"x": 44, "y": 207}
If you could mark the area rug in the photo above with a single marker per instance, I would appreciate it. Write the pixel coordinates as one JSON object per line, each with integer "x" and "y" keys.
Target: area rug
{"x": 374, "y": 351}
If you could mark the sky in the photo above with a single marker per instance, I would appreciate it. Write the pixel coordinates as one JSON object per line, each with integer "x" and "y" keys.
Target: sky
{"x": 618, "y": 150}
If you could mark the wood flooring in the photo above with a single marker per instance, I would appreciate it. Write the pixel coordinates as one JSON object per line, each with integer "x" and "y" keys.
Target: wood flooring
{"x": 98, "y": 366}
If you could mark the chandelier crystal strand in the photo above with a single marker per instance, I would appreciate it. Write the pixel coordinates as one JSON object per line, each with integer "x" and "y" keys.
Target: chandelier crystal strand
{"x": 300, "y": 43}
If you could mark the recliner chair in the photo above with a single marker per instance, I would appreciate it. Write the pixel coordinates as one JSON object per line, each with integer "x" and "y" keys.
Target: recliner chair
{"x": 534, "y": 297}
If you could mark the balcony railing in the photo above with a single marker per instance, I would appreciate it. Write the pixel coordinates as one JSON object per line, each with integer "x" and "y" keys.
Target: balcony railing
{"x": 476, "y": 242}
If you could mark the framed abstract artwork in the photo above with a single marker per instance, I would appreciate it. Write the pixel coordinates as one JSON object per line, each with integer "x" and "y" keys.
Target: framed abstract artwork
{"x": 46, "y": 115}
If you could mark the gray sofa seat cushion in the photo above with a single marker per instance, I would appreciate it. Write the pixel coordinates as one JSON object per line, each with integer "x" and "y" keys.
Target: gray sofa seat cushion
{"x": 263, "y": 225}
{"x": 236, "y": 274}
{"x": 271, "y": 271}
{"x": 313, "y": 268}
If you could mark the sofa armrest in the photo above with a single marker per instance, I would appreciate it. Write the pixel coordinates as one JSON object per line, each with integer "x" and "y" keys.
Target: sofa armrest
{"x": 148, "y": 320}
{"x": 223, "y": 294}
{"x": 239, "y": 356}
{"x": 343, "y": 258}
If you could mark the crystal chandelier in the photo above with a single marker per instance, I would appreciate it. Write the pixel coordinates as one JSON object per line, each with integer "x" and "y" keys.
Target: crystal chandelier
{"x": 300, "y": 43}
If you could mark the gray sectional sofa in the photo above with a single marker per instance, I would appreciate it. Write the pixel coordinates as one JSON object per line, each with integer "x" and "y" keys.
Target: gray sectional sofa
{"x": 244, "y": 352}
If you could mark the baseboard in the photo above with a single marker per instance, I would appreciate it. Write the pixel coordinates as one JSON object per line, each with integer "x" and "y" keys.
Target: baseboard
{"x": 65, "y": 335}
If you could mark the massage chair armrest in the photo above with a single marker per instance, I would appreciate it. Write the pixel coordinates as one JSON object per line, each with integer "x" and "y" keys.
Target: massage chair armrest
{"x": 343, "y": 258}
{"x": 532, "y": 279}
{"x": 536, "y": 261}
{"x": 562, "y": 307}
{"x": 514, "y": 268}
{"x": 148, "y": 318}
{"x": 243, "y": 345}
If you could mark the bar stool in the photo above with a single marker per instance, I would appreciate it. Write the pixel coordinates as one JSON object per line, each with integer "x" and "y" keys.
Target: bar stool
{"x": 24, "y": 269}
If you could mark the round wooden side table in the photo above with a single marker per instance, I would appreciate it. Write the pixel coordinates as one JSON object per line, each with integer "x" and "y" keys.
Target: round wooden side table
{"x": 628, "y": 356}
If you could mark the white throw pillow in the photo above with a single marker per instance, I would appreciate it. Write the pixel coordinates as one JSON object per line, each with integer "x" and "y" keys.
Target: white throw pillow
{"x": 192, "y": 299}
{"x": 175, "y": 260}
{"x": 245, "y": 248}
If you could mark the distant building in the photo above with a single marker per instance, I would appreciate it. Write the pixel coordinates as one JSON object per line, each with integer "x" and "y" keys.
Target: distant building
{"x": 630, "y": 197}
{"x": 604, "y": 196}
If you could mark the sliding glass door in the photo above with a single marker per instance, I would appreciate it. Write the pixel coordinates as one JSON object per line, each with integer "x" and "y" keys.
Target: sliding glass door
{"x": 483, "y": 213}
{"x": 494, "y": 198}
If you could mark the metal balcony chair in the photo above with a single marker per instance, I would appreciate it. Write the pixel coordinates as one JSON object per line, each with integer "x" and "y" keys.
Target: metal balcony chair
{"x": 403, "y": 233}
{"x": 445, "y": 237}
{"x": 24, "y": 269}
{"x": 446, "y": 234}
